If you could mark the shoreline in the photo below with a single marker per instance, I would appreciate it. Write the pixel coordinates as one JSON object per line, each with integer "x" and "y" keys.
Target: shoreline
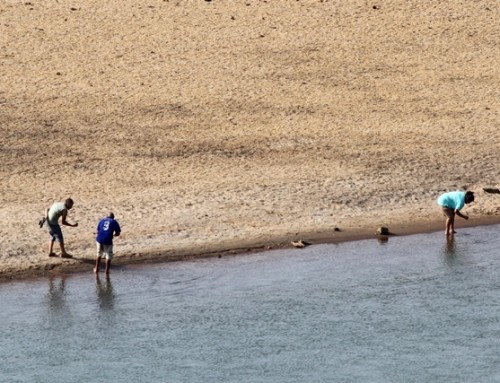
{"x": 239, "y": 247}
{"x": 219, "y": 128}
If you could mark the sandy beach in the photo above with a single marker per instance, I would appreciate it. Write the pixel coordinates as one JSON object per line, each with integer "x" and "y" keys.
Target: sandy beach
{"x": 217, "y": 127}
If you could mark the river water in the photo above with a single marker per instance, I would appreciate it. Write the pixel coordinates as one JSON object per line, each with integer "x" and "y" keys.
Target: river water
{"x": 412, "y": 309}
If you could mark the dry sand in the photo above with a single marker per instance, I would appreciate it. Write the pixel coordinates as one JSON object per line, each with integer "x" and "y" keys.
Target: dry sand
{"x": 228, "y": 125}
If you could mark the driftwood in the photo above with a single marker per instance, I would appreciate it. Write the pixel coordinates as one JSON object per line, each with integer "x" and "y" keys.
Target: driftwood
{"x": 492, "y": 190}
{"x": 300, "y": 244}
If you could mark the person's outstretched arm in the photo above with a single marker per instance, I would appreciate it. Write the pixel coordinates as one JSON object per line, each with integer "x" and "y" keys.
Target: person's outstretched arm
{"x": 65, "y": 222}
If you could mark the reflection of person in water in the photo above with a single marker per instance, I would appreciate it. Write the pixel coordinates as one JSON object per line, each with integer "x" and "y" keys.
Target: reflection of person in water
{"x": 453, "y": 257}
{"x": 450, "y": 246}
{"x": 105, "y": 294}
{"x": 58, "y": 309}
{"x": 56, "y": 293}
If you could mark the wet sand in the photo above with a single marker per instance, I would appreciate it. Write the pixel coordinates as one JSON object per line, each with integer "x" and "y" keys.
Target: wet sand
{"x": 218, "y": 127}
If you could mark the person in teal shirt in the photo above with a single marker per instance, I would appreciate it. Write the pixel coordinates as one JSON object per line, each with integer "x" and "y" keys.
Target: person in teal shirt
{"x": 451, "y": 203}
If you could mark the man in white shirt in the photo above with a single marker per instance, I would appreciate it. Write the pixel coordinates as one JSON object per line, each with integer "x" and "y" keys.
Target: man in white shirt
{"x": 52, "y": 215}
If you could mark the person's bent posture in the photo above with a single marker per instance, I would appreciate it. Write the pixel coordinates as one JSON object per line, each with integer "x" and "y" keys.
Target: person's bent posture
{"x": 52, "y": 215}
{"x": 451, "y": 203}
{"x": 107, "y": 228}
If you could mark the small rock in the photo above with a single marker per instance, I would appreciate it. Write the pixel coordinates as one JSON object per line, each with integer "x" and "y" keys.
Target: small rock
{"x": 383, "y": 231}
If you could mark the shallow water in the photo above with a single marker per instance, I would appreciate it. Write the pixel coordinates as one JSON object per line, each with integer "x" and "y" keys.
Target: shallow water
{"x": 413, "y": 309}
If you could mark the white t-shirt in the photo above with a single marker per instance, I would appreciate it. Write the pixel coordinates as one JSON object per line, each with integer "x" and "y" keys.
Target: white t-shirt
{"x": 55, "y": 212}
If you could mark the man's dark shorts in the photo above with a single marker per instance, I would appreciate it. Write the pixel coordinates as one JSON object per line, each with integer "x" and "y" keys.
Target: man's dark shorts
{"x": 56, "y": 233}
{"x": 448, "y": 212}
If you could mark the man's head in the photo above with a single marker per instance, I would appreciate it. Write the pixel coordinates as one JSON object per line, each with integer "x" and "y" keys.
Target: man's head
{"x": 469, "y": 197}
{"x": 68, "y": 203}
{"x": 111, "y": 215}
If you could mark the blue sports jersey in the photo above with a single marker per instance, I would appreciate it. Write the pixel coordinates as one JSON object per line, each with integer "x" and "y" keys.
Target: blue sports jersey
{"x": 106, "y": 228}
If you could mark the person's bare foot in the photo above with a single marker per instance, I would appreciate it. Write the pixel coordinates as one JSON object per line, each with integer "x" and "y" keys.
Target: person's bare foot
{"x": 52, "y": 255}
{"x": 66, "y": 255}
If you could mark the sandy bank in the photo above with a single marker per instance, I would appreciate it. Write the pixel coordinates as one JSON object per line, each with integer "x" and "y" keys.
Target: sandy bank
{"x": 219, "y": 125}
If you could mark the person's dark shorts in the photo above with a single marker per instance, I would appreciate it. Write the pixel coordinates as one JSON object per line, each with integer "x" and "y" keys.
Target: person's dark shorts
{"x": 448, "y": 212}
{"x": 56, "y": 233}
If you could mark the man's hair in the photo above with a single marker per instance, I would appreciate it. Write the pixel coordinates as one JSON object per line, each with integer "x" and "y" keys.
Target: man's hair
{"x": 68, "y": 202}
{"x": 469, "y": 196}
{"x": 111, "y": 215}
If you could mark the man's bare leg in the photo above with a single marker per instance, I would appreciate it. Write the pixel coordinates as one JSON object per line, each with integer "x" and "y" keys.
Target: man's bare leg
{"x": 51, "y": 248}
{"x": 97, "y": 263}
{"x": 108, "y": 264}
{"x": 450, "y": 226}
{"x": 63, "y": 251}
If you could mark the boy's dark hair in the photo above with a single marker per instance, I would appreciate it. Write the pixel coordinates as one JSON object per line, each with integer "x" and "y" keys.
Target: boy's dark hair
{"x": 469, "y": 197}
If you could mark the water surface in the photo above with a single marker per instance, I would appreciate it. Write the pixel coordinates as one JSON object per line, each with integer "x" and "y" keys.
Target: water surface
{"x": 413, "y": 309}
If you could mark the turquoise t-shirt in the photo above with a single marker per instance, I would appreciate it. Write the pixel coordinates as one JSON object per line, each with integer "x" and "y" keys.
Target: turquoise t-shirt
{"x": 453, "y": 200}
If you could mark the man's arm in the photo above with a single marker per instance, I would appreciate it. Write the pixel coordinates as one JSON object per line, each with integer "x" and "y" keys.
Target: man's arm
{"x": 457, "y": 212}
{"x": 117, "y": 229}
{"x": 66, "y": 223}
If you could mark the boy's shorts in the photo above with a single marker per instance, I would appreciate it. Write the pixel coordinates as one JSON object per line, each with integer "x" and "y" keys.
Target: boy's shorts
{"x": 105, "y": 251}
{"x": 55, "y": 232}
{"x": 448, "y": 212}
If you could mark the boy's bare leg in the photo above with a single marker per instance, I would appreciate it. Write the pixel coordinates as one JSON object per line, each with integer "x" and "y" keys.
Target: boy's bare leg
{"x": 63, "y": 251}
{"x": 108, "y": 264}
{"x": 97, "y": 262}
{"x": 51, "y": 248}
{"x": 450, "y": 226}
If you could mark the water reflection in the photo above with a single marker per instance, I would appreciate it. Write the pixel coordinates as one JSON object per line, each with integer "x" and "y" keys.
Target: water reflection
{"x": 105, "y": 293}
{"x": 455, "y": 254}
{"x": 56, "y": 294}
{"x": 450, "y": 247}
{"x": 58, "y": 310}
{"x": 383, "y": 239}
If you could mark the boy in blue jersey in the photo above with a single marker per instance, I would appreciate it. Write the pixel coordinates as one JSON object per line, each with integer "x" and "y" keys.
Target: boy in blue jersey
{"x": 451, "y": 203}
{"x": 107, "y": 228}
